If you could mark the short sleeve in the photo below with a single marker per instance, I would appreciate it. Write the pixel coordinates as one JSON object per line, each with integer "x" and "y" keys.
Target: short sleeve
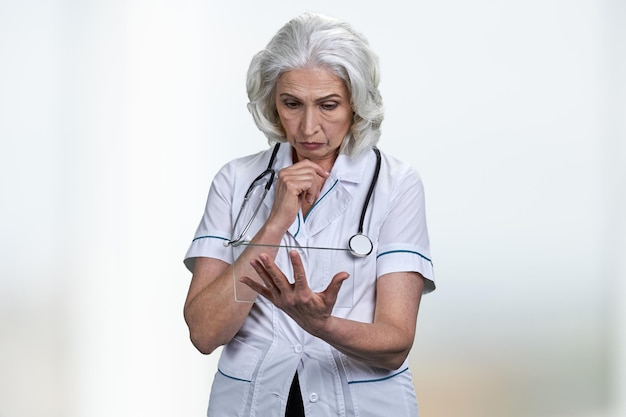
{"x": 215, "y": 225}
{"x": 403, "y": 241}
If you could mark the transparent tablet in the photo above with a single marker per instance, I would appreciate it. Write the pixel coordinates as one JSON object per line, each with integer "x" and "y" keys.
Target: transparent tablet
{"x": 321, "y": 263}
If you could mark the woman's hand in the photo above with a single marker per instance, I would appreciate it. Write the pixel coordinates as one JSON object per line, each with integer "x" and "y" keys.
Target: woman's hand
{"x": 297, "y": 184}
{"x": 309, "y": 309}
{"x": 383, "y": 343}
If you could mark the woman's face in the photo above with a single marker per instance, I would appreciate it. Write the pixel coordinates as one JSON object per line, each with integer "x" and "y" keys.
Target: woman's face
{"x": 315, "y": 112}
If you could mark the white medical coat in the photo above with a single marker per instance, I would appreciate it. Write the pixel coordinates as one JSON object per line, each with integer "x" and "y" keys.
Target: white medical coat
{"x": 256, "y": 368}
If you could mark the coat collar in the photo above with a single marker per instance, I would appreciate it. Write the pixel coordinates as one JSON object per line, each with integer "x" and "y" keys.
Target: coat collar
{"x": 336, "y": 195}
{"x": 346, "y": 168}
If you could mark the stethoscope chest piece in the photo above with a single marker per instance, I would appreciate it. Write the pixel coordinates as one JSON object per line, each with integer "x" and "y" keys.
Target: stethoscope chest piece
{"x": 360, "y": 245}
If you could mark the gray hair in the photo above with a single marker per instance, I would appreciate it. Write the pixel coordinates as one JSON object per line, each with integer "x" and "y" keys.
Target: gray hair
{"x": 312, "y": 41}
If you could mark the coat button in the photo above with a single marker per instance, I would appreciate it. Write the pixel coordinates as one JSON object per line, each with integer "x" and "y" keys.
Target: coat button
{"x": 313, "y": 397}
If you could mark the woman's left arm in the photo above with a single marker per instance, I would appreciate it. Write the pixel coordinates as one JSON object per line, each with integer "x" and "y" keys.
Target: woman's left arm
{"x": 384, "y": 343}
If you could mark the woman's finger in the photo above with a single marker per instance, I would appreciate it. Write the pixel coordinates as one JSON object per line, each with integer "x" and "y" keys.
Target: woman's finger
{"x": 304, "y": 176}
{"x": 273, "y": 274}
{"x": 256, "y": 286}
{"x": 331, "y": 292}
{"x": 265, "y": 276}
{"x": 299, "y": 275}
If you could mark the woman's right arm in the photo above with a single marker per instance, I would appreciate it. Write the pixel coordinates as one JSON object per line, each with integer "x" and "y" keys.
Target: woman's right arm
{"x": 210, "y": 323}
{"x": 211, "y": 312}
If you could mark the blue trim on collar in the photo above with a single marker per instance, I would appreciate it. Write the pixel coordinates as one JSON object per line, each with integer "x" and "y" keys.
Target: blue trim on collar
{"x": 297, "y": 231}
{"x": 320, "y": 199}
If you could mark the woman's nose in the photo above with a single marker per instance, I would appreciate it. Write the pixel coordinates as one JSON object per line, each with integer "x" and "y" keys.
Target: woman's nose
{"x": 310, "y": 121}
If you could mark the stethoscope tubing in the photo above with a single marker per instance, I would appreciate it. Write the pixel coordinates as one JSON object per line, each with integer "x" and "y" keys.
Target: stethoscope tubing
{"x": 357, "y": 239}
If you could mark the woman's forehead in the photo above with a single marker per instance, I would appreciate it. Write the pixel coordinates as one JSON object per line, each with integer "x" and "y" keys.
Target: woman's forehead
{"x": 312, "y": 83}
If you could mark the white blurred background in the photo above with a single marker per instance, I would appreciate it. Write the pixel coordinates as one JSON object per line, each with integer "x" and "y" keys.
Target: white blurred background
{"x": 114, "y": 116}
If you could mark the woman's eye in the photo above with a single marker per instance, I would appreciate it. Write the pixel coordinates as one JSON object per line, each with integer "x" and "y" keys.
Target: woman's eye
{"x": 329, "y": 106}
{"x": 291, "y": 104}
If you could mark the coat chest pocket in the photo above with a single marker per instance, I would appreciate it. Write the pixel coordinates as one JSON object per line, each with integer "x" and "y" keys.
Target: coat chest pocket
{"x": 328, "y": 263}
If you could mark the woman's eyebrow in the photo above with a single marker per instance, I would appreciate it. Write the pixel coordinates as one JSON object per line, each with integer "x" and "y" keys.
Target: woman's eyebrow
{"x": 328, "y": 97}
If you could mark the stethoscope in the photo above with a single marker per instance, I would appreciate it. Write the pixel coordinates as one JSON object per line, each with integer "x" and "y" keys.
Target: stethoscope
{"x": 359, "y": 244}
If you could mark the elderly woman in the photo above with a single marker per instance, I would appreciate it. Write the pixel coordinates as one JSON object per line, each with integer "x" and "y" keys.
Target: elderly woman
{"x": 314, "y": 287}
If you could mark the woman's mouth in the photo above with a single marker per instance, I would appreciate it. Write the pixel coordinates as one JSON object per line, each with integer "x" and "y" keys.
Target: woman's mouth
{"x": 311, "y": 146}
